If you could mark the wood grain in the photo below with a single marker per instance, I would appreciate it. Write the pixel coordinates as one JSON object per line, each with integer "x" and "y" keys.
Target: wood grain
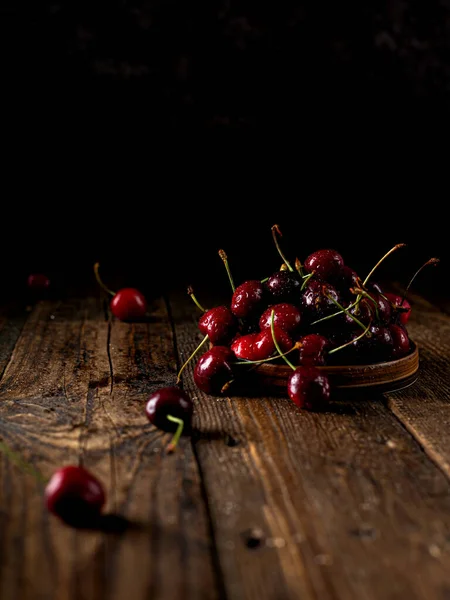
{"x": 425, "y": 408}
{"x": 74, "y": 391}
{"x": 343, "y": 504}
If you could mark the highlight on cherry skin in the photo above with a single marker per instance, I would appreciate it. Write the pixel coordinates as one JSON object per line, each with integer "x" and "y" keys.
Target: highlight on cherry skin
{"x": 127, "y": 304}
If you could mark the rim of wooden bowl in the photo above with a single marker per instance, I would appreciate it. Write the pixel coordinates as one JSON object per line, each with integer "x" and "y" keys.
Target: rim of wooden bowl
{"x": 389, "y": 374}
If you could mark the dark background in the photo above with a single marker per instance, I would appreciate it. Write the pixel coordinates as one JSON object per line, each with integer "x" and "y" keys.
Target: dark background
{"x": 149, "y": 134}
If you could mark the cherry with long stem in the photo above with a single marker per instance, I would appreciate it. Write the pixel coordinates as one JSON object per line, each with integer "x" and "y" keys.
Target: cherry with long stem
{"x": 346, "y": 311}
{"x": 276, "y": 231}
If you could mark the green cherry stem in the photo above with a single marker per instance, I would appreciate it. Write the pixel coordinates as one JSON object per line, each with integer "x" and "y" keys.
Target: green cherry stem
{"x": 346, "y": 310}
{"x": 19, "y": 462}
{"x": 306, "y": 278}
{"x": 204, "y": 340}
{"x": 224, "y": 257}
{"x": 396, "y": 247}
{"x": 352, "y": 340}
{"x": 264, "y": 360}
{"x": 190, "y": 292}
{"x": 272, "y": 329}
{"x": 367, "y": 295}
{"x": 100, "y": 282}
{"x": 171, "y": 447}
{"x": 432, "y": 261}
{"x": 276, "y": 230}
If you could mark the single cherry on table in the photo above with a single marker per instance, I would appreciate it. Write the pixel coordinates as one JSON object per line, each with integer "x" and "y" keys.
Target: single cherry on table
{"x": 76, "y": 496}
{"x": 128, "y": 304}
{"x": 170, "y": 409}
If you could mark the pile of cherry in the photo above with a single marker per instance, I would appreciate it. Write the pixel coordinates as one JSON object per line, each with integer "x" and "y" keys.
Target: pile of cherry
{"x": 317, "y": 313}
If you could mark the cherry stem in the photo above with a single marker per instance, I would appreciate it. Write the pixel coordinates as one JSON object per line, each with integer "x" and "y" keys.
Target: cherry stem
{"x": 272, "y": 329}
{"x": 367, "y": 295}
{"x": 276, "y": 230}
{"x": 352, "y": 340}
{"x": 432, "y": 261}
{"x": 346, "y": 310}
{"x": 263, "y": 360}
{"x": 19, "y": 461}
{"x": 100, "y": 282}
{"x": 396, "y": 247}
{"x": 224, "y": 257}
{"x": 339, "y": 312}
{"x": 306, "y": 278}
{"x": 171, "y": 447}
{"x": 190, "y": 291}
{"x": 299, "y": 267}
{"x": 191, "y": 357}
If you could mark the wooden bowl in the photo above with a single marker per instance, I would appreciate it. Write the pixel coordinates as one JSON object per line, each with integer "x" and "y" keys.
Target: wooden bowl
{"x": 385, "y": 376}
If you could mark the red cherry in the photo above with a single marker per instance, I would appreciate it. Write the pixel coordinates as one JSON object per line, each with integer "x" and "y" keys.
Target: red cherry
{"x": 38, "y": 282}
{"x": 309, "y": 388}
{"x": 326, "y": 264}
{"x": 284, "y": 286}
{"x": 248, "y": 298}
{"x": 259, "y": 346}
{"x": 170, "y": 409}
{"x": 319, "y": 300}
{"x": 313, "y": 350}
{"x": 128, "y": 304}
{"x": 286, "y": 316}
{"x": 400, "y": 305}
{"x": 75, "y": 496}
{"x": 219, "y": 324}
{"x": 214, "y": 369}
{"x": 400, "y": 341}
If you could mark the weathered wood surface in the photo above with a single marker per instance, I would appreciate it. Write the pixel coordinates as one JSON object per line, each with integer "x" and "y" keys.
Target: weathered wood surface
{"x": 74, "y": 392}
{"x": 265, "y": 501}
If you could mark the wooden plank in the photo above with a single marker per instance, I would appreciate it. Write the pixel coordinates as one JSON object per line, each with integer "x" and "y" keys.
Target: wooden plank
{"x": 74, "y": 391}
{"x": 12, "y": 319}
{"x": 342, "y": 504}
{"x": 424, "y": 408}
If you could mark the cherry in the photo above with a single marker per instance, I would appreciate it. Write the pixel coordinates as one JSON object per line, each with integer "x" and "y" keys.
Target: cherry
{"x": 170, "y": 409}
{"x": 259, "y": 346}
{"x": 313, "y": 350}
{"x": 248, "y": 299}
{"x": 400, "y": 341}
{"x": 284, "y": 286}
{"x": 75, "y": 496}
{"x": 309, "y": 388}
{"x": 326, "y": 264}
{"x": 128, "y": 304}
{"x": 319, "y": 300}
{"x": 219, "y": 324}
{"x": 400, "y": 306}
{"x": 375, "y": 346}
{"x": 286, "y": 316}
{"x": 214, "y": 369}
{"x": 38, "y": 282}
{"x": 347, "y": 280}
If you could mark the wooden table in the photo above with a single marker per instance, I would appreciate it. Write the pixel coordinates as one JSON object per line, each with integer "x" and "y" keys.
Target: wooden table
{"x": 264, "y": 501}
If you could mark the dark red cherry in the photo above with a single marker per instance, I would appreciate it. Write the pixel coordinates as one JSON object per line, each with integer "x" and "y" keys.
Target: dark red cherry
{"x": 214, "y": 369}
{"x": 313, "y": 350}
{"x": 128, "y": 304}
{"x": 401, "y": 344}
{"x": 38, "y": 282}
{"x": 248, "y": 299}
{"x": 326, "y": 264}
{"x": 259, "y": 346}
{"x": 170, "y": 409}
{"x": 219, "y": 324}
{"x": 316, "y": 300}
{"x": 364, "y": 311}
{"x": 382, "y": 306}
{"x": 284, "y": 286}
{"x": 309, "y": 388}
{"x": 75, "y": 496}
{"x": 376, "y": 346}
{"x": 286, "y": 316}
{"x": 401, "y": 307}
